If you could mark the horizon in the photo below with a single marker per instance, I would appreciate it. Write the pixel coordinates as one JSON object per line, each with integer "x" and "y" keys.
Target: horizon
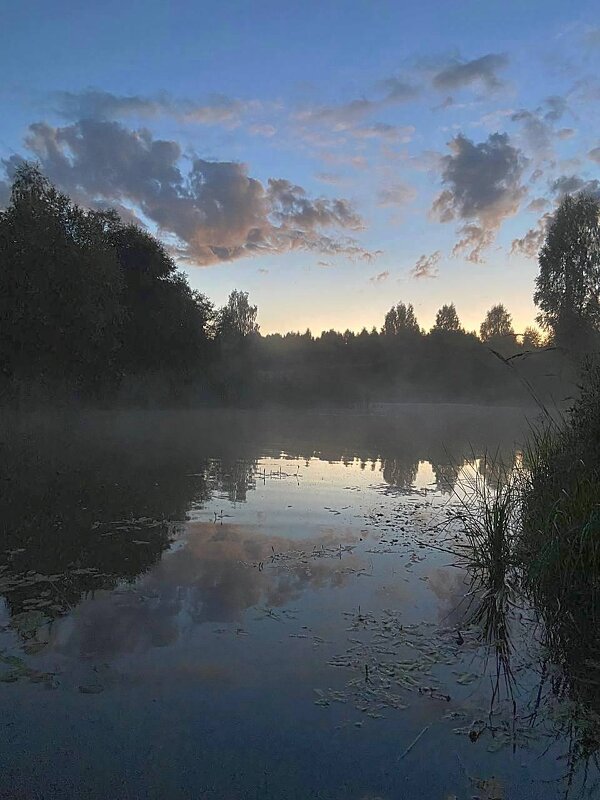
{"x": 330, "y": 175}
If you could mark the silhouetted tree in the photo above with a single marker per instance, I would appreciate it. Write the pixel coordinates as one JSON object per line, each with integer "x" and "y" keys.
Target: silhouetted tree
{"x": 61, "y": 314}
{"x": 400, "y": 319}
{"x": 99, "y": 307}
{"x": 238, "y": 317}
{"x": 447, "y": 319}
{"x": 86, "y": 300}
{"x": 168, "y": 324}
{"x": 568, "y": 284}
{"x": 497, "y": 326}
{"x": 237, "y": 339}
{"x": 532, "y": 338}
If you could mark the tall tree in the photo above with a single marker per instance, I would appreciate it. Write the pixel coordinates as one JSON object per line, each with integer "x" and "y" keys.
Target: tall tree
{"x": 86, "y": 300}
{"x": 497, "y": 326}
{"x": 167, "y": 323}
{"x": 568, "y": 284}
{"x": 400, "y": 319}
{"x": 447, "y": 319}
{"x": 237, "y": 319}
{"x": 60, "y": 288}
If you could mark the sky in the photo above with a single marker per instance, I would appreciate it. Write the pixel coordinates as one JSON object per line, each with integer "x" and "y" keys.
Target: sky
{"x": 330, "y": 158}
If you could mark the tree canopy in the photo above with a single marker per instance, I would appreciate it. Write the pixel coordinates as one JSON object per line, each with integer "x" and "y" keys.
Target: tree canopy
{"x": 97, "y": 307}
{"x": 238, "y": 317}
{"x": 400, "y": 319}
{"x": 86, "y": 299}
{"x": 568, "y": 283}
{"x": 447, "y": 319}
{"x": 497, "y": 326}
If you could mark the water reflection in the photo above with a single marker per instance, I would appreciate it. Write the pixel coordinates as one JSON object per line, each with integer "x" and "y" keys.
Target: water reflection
{"x": 219, "y": 572}
{"x": 90, "y": 501}
{"x": 400, "y": 472}
{"x": 188, "y": 551}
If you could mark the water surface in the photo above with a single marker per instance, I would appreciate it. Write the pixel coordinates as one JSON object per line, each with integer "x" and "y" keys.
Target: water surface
{"x": 225, "y": 605}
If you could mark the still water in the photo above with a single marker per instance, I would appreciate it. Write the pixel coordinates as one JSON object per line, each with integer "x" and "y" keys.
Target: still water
{"x": 261, "y": 606}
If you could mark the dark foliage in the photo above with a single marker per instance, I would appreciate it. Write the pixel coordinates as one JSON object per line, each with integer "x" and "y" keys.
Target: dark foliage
{"x": 87, "y": 302}
{"x": 95, "y": 310}
{"x": 568, "y": 284}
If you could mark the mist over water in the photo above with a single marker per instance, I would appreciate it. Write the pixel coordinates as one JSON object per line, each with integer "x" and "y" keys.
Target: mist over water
{"x": 261, "y": 598}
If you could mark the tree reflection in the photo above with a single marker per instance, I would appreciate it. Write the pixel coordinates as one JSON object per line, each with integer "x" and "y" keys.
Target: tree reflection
{"x": 77, "y": 517}
{"x": 233, "y": 478}
{"x": 400, "y": 473}
{"x": 446, "y": 475}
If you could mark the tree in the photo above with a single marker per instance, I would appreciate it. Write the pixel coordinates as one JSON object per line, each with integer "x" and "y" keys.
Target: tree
{"x": 531, "y": 339}
{"x": 86, "y": 300}
{"x": 568, "y": 283}
{"x": 60, "y": 289}
{"x": 400, "y": 319}
{"x": 447, "y": 319}
{"x": 238, "y": 343}
{"x": 497, "y": 326}
{"x": 238, "y": 318}
{"x": 168, "y": 324}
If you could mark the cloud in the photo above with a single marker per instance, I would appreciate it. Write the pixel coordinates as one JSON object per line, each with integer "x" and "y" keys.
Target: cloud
{"x": 346, "y": 116}
{"x": 340, "y": 159}
{"x": 398, "y": 90}
{"x": 214, "y": 211}
{"x": 557, "y": 105}
{"x": 291, "y": 206}
{"x": 565, "y": 133}
{"x": 538, "y": 125}
{"x": 394, "y": 134}
{"x": 492, "y": 120}
{"x": 208, "y": 578}
{"x": 586, "y": 90}
{"x": 329, "y": 177}
{"x": 537, "y": 204}
{"x": 570, "y": 184}
{"x": 463, "y": 73}
{"x": 595, "y": 155}
{"x": 380, "y": 278}
{"x": 483, "y": 188}
{"x": 536, "y": 175}
{"x": 530, "y": 244}
{"x": 399, "y": 194}
{"x": 263, "y": 130}
{"x": 96, "y": 104}
{"x": 537, "y": 132}
{"x": 339, "y": 117}
{"x": 426, "y": 266}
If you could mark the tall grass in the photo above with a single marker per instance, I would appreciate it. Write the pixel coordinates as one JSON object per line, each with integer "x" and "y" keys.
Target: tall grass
{"x": 559, "y": 543}
{"x": 533, "y": 536}
{"x": 489, "y": 517}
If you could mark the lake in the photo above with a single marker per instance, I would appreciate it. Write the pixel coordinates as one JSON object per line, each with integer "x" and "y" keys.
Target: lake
{"x": 265, "y": 605}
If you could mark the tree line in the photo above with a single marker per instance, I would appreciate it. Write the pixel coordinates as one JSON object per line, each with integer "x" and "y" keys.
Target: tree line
{"x": 93, "y": 308}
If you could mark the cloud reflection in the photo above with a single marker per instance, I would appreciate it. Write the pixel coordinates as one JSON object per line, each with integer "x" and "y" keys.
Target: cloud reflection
{"x": 218, "y": 573}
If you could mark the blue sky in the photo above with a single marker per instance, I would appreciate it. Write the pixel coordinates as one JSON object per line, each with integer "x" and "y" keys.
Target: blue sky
{"x": 331, "y": 158}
